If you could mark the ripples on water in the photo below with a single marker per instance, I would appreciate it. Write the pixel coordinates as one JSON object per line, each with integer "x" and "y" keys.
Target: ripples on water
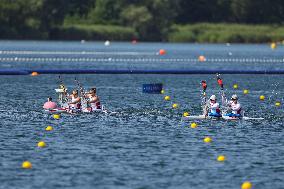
{"x": 143, "y": 143}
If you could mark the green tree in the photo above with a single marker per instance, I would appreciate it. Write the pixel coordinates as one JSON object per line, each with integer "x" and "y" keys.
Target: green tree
{"x": 195, "y": 11}
{"x": 81, "y": 7}
{"x": 164, "y": 13}
{"x": 19, "y": 18}
{"x": 52, "y": 13}
{"x": 106, "y": 12}
{"x": 139, "y": 18}
{"x": 258, "y": 11}
{"x": 151, "y": 18}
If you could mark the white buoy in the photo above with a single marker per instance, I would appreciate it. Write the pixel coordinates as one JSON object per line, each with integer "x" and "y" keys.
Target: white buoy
{"x": 107, "y": 43}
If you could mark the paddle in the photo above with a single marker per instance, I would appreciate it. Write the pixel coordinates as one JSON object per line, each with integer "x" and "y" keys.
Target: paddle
{"x": 82, "y": 94}
{"x": 204, "y": 103}
{"x": 62, "y": 96}
{"x": 224, "y": 99}
{"x": 220, "y": 81}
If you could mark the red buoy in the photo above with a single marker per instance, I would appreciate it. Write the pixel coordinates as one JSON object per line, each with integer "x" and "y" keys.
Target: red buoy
{"x": 134, "y": 41}
{"x": 162, "y": 52}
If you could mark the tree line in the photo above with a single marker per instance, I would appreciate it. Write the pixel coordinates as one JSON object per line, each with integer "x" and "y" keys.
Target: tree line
{"x": 152, "y": 20}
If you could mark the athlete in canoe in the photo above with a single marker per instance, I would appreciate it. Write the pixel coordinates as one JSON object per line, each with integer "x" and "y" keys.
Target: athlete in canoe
{"x": 210, "y": 108}
{"x": 75, "y": 104}
{"x": 93, "y": 100}
{"x": 234, "y": 106}
{"x": 214, "y": 107}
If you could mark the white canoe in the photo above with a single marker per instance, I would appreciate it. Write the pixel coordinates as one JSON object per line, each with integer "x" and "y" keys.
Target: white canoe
{"x": 56, "y": 111}
{"x": 88, "y": 110}
{"x": 242, "y": 118}
{"x": 67, "y": 110}
{"x": 202, "y": 117}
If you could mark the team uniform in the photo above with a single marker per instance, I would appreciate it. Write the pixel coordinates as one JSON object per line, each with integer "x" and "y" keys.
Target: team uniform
{"x": 74, "y": 107}
{"x": 214, "y": 107}
{"x": 235, "y": 107}
{"x": 215, "y": 110}
{"x": 95, "y": 105}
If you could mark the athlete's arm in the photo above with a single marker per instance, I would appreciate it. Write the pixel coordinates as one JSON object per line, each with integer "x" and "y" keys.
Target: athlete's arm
{"x": 94, "y": 99}
{"x": 78, "y": 99}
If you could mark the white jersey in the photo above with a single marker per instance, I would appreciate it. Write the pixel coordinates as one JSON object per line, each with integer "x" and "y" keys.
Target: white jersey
{"x": 76, "y": 105}
{"x": 236, "y": 108}
{"x": 94, "y": 105}
{"x": 214, "y": 107}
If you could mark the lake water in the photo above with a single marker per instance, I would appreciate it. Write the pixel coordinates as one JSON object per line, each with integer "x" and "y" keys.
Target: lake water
{"x": 144, "y": 144}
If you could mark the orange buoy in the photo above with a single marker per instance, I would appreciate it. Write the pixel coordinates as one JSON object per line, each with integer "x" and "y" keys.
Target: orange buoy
{"x": 201, "y": 58}
{"x": 162, "y": 52}
{"x": 34, "y": 74}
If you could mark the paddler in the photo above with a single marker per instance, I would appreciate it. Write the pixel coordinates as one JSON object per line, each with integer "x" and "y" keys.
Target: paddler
{"x": 235, "y": 107}
{"x": 93, "y": 99}
{"x": 75, "y": 104}
{"x": 214, "y": 107}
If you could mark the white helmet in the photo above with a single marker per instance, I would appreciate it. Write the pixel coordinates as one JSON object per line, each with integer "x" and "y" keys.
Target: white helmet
{"x": 213, "y": 97}
{"x": 234, "y": 97}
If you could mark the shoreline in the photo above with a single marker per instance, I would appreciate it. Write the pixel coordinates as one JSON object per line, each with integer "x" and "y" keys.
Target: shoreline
{"x": 200, "y": 33}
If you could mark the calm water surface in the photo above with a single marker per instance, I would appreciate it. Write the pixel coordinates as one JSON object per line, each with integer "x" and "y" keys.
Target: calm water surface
{"x": 143, "y": 143}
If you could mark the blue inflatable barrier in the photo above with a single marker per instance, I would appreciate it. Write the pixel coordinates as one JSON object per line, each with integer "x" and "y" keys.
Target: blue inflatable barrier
{"x": 152, "y": 88}
{"x": 14, "y": 72}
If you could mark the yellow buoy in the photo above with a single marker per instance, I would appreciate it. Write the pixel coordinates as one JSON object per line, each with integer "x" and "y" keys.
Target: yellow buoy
{"x": 193, "y": 125}
{"x": 246, "y": 91}
{"x": 277, "y": 104}
{"x": 34, "y": 74}
{"x": 261, "y": 97}
{"x": 162, "y": 91}
{"x": 246, "y": 185}
{"x": 221, "y": 158}
{"x": 27, "y": 165}
{"x": 185, "y": 114}
{"x": 207, "y": 140}
{"x": 48, "y": 128}
{"x": 273, "y": 45}
{"x": 41, "y": 144}
{"x": 235, "y": 86}
{"x": 167, "y": 98}
{"x": 56, "y": 116}
{"x": 175, "y": 106}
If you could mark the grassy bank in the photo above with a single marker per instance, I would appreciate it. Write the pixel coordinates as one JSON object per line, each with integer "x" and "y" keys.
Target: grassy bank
{"x": 223, "y": 33}
{"x": 201, "y": 33}
{"x": 93, "y": 32}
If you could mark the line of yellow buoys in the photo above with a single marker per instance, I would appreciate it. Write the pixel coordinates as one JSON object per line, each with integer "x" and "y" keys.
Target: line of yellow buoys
{"x": 40, "y": 144}
{"x": 207, "y": 139}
